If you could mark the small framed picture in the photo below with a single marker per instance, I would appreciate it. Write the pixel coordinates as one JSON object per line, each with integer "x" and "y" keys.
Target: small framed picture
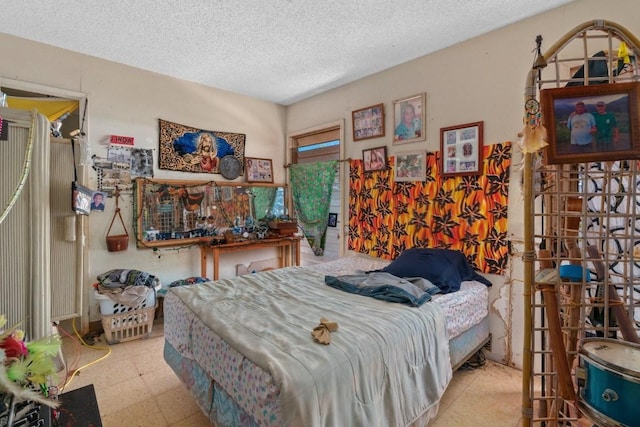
{"x": 368, "y": 122}
{"x": 409, "y": 119}
{"x": 592, "y": 123}
{"x": 333, "y": 220}
{"x": 81, "y": 198}
{"x": 258, "y": 170}
{"x": 411, "y": 166}
{"x": 97, "y": 201}
{"x": 461, "y": 149}
{"x": 374, "y": 159}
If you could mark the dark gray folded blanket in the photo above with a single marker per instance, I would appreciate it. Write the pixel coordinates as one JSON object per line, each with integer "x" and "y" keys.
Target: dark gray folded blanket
{"x": 413, "y": 291}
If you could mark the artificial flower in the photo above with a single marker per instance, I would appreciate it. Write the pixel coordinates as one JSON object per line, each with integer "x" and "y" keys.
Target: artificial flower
{"x": 26, "y": 367}
{"x": 14, "y": 347}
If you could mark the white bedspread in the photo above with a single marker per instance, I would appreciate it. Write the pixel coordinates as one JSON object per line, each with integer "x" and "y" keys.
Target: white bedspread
{"x": 387, "y": 364}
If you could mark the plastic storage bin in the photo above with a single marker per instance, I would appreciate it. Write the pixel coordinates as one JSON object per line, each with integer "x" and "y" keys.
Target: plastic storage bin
{"x": 128, "y": 326}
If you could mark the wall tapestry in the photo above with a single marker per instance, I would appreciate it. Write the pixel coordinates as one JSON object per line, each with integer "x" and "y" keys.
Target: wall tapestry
{"x": 466, "y": 213}
{"x": 187, "y": 149}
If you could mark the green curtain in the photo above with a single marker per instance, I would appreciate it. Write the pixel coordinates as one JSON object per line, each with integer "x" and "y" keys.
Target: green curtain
{"x": 263, "y": 199}
{"x": 311, "y": 185}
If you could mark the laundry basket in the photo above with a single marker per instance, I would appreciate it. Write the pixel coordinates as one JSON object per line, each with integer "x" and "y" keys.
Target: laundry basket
{"x": 128, "y": 326}
{"x": 109, "y": 306}
{"x": 123, "y": 322}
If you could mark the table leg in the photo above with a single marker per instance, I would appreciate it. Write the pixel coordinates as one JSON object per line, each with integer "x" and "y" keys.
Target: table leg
{"x": 296, "y": 245}
{"x": 281, "y": 255}
{"x": 203, "y": 261}
{"x": 216, "y": 262}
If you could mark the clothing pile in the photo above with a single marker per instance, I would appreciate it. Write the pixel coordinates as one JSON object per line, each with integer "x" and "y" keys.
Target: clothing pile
{"x": 182, "y": 282}
{"x": 127, "y": 287}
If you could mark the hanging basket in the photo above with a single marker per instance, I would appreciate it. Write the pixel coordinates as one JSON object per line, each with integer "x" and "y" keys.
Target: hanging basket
{"x": 118, "y": 243}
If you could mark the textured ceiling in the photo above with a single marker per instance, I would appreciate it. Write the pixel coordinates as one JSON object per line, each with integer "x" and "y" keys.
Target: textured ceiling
{"x": 277, "y": 50}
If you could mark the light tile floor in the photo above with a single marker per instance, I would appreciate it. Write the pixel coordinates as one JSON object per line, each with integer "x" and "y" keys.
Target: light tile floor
{"x": 136, "y": 388}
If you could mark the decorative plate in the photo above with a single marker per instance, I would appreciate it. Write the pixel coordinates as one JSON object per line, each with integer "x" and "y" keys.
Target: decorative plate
{"x": 230, "y": 167}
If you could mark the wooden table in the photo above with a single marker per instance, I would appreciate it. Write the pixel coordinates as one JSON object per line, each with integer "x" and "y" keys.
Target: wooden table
{"x": 288, "y": 251}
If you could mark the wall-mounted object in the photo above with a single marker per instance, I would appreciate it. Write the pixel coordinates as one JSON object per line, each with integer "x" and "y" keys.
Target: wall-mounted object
{"x": 368, "y": 122}
{"x": 230, "y": 167}
{"x": 333, "y": 220}
{"x": 80, "y": 198}
{"x": 121, "y": 140}
{"x": 70, "y": 228}
{"x": 117, "y": 242}
{"x": 258, "y": 170}
{"x": 409, "y": 116}
{"x": 471, "y": 215}
{"x": 411, "y": 166}
{"x": 374, "y": 159}
{"x": 592, "y": 123}
{"x": 176, "y": 213}
{"x": 461, "y": 149}
{"x": 188, "y": 149}
{"x": 142, "y": 162}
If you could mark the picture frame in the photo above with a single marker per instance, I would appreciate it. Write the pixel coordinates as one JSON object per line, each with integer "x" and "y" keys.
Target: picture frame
{"x": 81, "y": 197}
{"x": 409, "y": 119}
{"x": 461, "y": 149}
{"x": 368, "y": 122}
{"x": 411, "y": 166}
{"x": 258, "y": 170}
{"x": 333, "y": 220}
{"x": 98, "y": 199}
{"x": 374, "y": 159}
{"x": 613, "y": 134}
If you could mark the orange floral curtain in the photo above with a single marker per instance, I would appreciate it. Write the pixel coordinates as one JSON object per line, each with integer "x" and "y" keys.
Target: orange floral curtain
{"x": 466, "y": 213}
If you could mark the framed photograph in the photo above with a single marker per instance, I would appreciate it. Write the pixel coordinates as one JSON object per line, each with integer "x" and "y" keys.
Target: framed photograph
{"x": 258, "y": 170}
{"x": 374, "y": 159}
{"x": 368, "y": 122}
{"x": 409, "y": 119}
{"x": 81, "y": 198}
{"x": 591, "y": 123}
{"x": 333, "y": 220}
{"x": 461, "y": 149}
{"x": 411, "y": 166}
{"x": 97, "y": 201}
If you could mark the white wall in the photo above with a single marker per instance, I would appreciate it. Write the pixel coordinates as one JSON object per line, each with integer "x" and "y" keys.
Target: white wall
{"x": 481, "y": 79}
{"x": 128, "y": 101}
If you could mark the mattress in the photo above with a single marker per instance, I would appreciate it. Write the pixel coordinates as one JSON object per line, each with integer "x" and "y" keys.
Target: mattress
{"x": 234, "y": 390}
{"x": 463, "y": 309}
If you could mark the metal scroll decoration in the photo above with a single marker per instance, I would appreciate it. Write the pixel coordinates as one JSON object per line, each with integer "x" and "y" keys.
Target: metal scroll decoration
{"x": 187, "y": 149}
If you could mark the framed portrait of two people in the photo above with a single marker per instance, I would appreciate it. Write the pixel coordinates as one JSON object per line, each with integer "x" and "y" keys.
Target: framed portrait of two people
{"x": 591, "y": 123}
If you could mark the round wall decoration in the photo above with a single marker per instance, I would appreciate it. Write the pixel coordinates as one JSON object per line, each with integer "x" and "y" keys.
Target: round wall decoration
{"x": 230, "y": 167}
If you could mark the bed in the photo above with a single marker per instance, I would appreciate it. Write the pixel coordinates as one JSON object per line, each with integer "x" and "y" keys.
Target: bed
{"x": 243, "y": 348}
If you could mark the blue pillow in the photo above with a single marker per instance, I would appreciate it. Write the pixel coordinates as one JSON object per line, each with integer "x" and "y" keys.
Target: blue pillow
{"x": 445, "y": 268}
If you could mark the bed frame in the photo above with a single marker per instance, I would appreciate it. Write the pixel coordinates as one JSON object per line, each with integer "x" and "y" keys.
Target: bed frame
{"x": 221, "y": 409}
